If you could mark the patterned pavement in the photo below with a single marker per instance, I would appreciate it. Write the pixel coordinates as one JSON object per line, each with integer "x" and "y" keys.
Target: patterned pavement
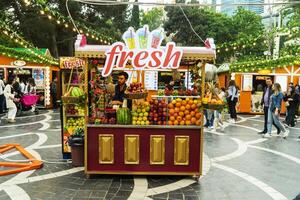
{"x": 239, "y": 164}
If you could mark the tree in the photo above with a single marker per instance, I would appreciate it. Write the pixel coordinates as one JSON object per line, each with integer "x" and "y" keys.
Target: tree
{"x": 209, "y": 24}
{"x": 154, "y": 18}
{"x": 135, "y": 18}
{"x": 42, "y": 32}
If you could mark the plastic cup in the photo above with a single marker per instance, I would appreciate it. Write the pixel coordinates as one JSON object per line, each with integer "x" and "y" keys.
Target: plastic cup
{"x": 157, "y": 37}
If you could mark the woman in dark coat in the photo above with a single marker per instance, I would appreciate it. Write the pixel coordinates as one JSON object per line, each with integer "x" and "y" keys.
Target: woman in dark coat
{"x": 292, "y": 101}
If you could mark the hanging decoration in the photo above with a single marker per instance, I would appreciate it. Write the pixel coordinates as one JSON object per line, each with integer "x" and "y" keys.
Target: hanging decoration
{"x": 258, "y": 65}
{"x": 25, "y": 55}
{"x": 15, "y": 37}
{"x": 66, "y": 23}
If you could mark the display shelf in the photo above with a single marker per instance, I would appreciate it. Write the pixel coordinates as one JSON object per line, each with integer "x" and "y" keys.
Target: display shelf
{"x": 142, "y": 127}
{"x": 172, "y": 97}
{"x": 76, "y": 84}
{"x": 74, "y": 115}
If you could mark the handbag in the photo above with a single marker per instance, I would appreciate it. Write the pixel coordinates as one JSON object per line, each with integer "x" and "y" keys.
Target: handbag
{"x": 287, "y": 104}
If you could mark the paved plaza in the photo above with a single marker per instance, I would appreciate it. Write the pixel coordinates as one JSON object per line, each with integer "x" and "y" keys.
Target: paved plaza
{"x": 238, "y": 164}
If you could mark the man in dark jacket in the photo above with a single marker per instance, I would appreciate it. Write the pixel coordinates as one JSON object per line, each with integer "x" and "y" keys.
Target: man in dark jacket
{"x": 265, "y": 102}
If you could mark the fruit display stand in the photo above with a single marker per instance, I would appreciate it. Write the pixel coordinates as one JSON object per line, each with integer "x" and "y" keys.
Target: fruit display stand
{"x": 73, "y": 110}
{"x": 147, "y": 138}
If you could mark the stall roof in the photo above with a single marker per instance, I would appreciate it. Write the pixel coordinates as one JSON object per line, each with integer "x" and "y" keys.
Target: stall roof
{"x": 98, "y": 51}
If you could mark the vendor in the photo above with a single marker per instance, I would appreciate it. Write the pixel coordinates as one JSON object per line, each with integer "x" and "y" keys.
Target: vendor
{"x": 120, "y": 89}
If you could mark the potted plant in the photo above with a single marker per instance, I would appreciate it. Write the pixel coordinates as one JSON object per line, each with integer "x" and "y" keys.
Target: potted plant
{"x": 76, "y": 142}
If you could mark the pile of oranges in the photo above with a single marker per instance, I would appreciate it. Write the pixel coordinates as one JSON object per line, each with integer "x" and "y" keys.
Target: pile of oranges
{"x": 184, "y": 112}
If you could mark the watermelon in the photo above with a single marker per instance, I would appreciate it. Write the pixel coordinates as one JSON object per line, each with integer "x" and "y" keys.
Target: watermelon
{"x": 76, "y": 92}
{"x": 123, "y": 116}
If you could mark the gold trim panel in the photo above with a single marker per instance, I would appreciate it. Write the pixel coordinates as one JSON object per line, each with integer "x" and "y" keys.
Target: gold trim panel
{"x": 132, "y": 149}
{"x": 181, "y": 150}
{"x": 157, "y": 149}
{"x": 106, "y": 148}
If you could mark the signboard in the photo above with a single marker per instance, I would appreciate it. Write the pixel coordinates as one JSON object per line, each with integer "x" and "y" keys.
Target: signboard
{"x": 2, "y": 73}
{"x": 283, "y": 81}
{"x": 247, "y": 82}
{"x": 19, "y": 63}
{"x": 38, "y": 76}
{"x": 142, "y": 48}
{"x": 71, "y": 62}
{"x": 151, "y": 80}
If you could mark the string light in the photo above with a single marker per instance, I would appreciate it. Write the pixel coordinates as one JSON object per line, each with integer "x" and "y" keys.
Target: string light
{"x": 51, "y": 14}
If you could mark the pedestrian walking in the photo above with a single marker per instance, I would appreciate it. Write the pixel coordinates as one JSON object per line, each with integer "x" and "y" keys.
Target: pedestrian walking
{"x": 265, "y": 102}
{"x": 2, "y": 97}
{"x": 218, "y": 115}
{"x": 274, "y": 112}
{"x": 232, "y": 100}
{"x": 53, "y": 92}
{"x": 9, "y": 96}
{"x": 291, "y": 102}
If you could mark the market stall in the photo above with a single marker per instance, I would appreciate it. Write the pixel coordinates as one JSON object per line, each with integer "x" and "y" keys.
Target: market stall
{"x": 252, "y": 82}
{"x": 41, "y": 73}
{"x": 149, "y": 132}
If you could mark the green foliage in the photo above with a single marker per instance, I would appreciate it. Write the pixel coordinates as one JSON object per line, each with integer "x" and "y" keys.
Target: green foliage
{"x": 256, "y": 65}
{"x": 22, "y": 54}
{"x": 154, "y": 18}
{"x": 242, "y": 27}
{"x": 135, "y": 18}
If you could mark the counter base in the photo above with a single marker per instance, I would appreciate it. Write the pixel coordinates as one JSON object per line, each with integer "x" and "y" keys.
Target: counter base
{"x": 143, "y": 151}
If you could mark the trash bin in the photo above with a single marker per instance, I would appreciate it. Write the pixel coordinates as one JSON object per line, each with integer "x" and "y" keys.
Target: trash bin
{"x": 77, "y": 150}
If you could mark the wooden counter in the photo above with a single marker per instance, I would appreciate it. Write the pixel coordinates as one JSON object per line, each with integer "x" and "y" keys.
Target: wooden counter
{"x": 129, "y": 149}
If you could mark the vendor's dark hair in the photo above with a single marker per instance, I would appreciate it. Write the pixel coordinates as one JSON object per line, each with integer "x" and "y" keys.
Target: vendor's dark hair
{"x": 123, "y": 74}
{"x": 10, "y": 80}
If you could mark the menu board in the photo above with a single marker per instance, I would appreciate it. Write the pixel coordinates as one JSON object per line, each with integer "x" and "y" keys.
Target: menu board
{"x": 151, "y": 80}
{"x": 38, "y": 75}
{"x": 188, "y": 80}
{"x": 247, "y": 82}
{"x": 283, "y": 81}
{"x": 2, "y": 73}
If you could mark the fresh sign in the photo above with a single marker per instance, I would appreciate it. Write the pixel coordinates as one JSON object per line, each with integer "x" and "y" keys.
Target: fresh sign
{"x": 142, "y": 49}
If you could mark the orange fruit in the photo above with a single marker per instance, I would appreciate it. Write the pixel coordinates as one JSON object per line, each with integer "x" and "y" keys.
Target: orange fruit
{"x": 176, "y": 122}
{"x": 179, "y": 118}
{"x": 170, "y": 123}
{"x": 188, "y": 117}
{"x": 170, "y": 106}
{"x": 193, "y": 120}
{"x": 178, "y": 100}
{"x": 188, "y": 122}
{"x": 171, "y": 111}
{"x": 198, "y": 115}
{"x": 175, "y": 115}
{"x": 183, "y": 102}
{"x": 177, "y": 110}
{"x": 172, "y": 118}
{"x": 182, "y": 123}
{"x": 198, "y": 122}
{"x": 187, "y": 99}
{"x": 193, "y": 106}
{"x": 182, "y": 108}
{"x": 191, "y": 102}
{"x": 193, "y": 113}
{"x": 174, "y": 102}
{"x": 188, "y": 107}
{"x": 186, "y": 112}
{"x": 178, "y": 105}
{"x": 195, "y": 101}
{"x": 181, "y": 114}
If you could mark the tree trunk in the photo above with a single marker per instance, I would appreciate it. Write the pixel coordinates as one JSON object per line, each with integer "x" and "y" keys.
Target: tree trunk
{"x": 54, "y": 46}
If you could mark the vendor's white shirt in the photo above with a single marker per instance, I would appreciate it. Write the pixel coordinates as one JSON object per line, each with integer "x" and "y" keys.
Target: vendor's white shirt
{"x": 2, "y": 86}
{"x": 22, "y": 86}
